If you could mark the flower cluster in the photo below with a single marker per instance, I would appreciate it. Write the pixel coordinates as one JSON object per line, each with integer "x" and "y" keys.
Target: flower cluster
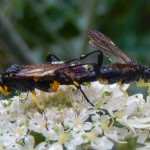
{"x": 69, "y": 122}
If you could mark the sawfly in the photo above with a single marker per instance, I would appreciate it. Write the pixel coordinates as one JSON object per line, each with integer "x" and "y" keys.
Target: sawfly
{"x": 47, "y": 77}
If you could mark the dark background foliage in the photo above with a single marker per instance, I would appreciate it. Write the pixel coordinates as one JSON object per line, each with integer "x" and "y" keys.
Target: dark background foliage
{"x": 30, "y": 29}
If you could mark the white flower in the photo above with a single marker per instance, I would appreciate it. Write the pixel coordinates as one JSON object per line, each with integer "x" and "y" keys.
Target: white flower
{"x": 38, "y": 123}
{"x": 96, "y": 142}
{"x": 12, "y": 132}
{"x": 29, "y": 144}
{"x": 62, "y": 138}
{"x": 55, "y": 146}
{"x": 117, "y": 134}
{"x": 135, "y": 123}
{"x": 116, "y": 89}
{"x": 97, "y": 123}
{"x": 74, "y": 120}
{"x": 146, "y": 147}
{"x": 77, "y": 125}
{"x": 7, "y": 140}
{"x": 102, "y": 144}
{"x": 79, "y": 138}
{"x": 142, "y": 136}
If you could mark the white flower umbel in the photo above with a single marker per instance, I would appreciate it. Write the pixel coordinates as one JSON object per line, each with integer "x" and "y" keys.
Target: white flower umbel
{"x": 69, "y": 122}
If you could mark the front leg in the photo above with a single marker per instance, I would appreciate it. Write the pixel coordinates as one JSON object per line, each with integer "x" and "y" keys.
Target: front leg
{"x": 50, "y": 59}
{"x": 82, "y": 57}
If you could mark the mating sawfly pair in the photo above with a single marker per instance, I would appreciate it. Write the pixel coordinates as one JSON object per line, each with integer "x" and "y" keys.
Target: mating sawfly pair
{"x": 47, "y": 77}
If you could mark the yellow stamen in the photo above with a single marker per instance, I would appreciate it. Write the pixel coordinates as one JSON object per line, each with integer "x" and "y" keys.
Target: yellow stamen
{"x": 105, "y": 125}
{"x": 92, "y": 136}
{"x": 119, "y": 114}
{"x": 63, "y": 138}
{"x": 77, "y": 122}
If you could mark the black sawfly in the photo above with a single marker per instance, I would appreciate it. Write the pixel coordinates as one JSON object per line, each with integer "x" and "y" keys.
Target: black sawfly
{"x": 47, "y": 77}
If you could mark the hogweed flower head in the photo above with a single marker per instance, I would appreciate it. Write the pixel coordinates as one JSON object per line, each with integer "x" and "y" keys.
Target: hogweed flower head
{"x": 69, "y": 122}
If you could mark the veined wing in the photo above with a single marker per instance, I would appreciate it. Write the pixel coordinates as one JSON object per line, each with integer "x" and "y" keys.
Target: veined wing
{"x": 48, "y": 70}
{"x": 100, "y": 42}
{"x": 38, "y": 71}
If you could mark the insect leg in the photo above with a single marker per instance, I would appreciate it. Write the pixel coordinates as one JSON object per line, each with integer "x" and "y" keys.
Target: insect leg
{"x": 124, "y": 92}
{"x": 78, "y": 86}
{"x": 55, "y": 86}
{"x": 35, "y": 100}
{"x": 5, "y": 90}
{"x": 100, "y": 57}
{"x": 49, "y": 58}
{"x": 141, "y": 83}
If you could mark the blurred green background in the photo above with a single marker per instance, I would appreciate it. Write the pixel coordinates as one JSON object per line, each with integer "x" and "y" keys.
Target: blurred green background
{"x": 29, "y": 29}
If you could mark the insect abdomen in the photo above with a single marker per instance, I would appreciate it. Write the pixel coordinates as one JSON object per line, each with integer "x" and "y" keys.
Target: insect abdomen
{"x": 112, "y": 75}
{"x": 109, "y": 75}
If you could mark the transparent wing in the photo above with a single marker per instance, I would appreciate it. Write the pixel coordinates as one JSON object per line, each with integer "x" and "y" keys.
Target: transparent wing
{"x": 48, "y": 70}
{"x": 100, "y": 42}
{"x": 32, "y": 71}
